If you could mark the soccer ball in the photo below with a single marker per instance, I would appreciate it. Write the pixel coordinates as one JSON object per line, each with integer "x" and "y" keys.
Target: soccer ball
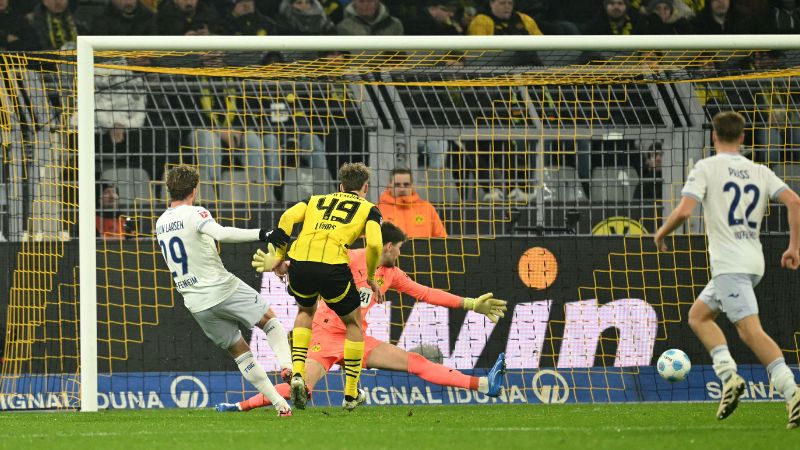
{"x": 673, "y": 365}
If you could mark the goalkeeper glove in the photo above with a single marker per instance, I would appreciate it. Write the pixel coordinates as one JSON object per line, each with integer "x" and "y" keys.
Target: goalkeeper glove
{"x": 265, "y": 262}
{"x": 487, "y": 305}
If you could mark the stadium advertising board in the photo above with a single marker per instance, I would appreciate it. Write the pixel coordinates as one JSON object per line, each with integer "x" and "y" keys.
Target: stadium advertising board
{"x": 153, "y": 390}
{"x": 582, "y": 326}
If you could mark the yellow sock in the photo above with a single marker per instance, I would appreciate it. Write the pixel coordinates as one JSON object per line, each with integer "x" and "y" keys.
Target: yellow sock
{"x": 301, "y": 337}
{"x": 353, "y": 355}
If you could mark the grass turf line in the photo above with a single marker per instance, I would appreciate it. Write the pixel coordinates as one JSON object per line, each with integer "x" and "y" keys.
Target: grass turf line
{"x": 678, "y": 425}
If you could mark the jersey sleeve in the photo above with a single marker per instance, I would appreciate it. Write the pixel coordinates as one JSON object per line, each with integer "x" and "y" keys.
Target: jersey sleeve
{"x": 375, "y": 215}
{"x": 696, "y": 184}
{"x": 201, "y": 217}
{"x": 402, "y": 283}
{"x": 774, "y": 184}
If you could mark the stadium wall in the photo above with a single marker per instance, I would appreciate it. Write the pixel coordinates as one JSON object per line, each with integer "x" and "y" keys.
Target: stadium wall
{"x": 560, "y": 340}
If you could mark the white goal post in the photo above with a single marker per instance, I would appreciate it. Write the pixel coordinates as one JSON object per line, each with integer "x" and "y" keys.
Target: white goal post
{"x": 86, "y": 45}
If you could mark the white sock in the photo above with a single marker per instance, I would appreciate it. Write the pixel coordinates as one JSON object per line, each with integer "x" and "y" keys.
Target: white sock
{"x": 483, "y": 385}
{"x": 724, "y": 365}
{"x": 278, "y": 342}
{"x": 255, "y": 374}
{"x": 781, "y": 376}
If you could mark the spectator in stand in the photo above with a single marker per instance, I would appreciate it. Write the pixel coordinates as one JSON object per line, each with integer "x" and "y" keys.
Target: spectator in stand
{"x": 187, "y": 17}
{"x": 664, "y": 18}
{"x": 543, "y": 13}
{"x": 500, "y": 18}
{"x": 369, "y": 18}
{"x": 304, "y": 17}
{"x": 618, "y": 18}
{"x": 109, "y": 222}
{"x": 437, "y": 19}
{"x": 125, "y": 18}
{"x": 401, "y": 205}
{"x": 125, "y": 137}
{"x": 55, "y": 24}
{"x": 784, "y": 17}
{"x": 16, "y": 34}
{"x": 464, "y": 16}
{"x": 650, "y": 186}
{"x": 243, "y": 19}
{"x": 719, "y": 18}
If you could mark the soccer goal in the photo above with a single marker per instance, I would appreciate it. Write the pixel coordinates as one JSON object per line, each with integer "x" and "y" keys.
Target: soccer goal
{"x": 547, "y": 161}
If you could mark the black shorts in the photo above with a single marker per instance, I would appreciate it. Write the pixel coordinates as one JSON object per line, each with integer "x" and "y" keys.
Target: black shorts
{"x": 333, "y": 282}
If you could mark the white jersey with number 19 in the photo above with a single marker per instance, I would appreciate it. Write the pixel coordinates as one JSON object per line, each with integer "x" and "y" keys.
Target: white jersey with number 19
{"x": 735, "y": 193}
{"x": 192, "y": 257}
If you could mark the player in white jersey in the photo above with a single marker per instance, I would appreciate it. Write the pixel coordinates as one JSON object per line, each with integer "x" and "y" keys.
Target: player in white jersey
{"x": 734, "y": 193}
{"x": 217, "y": 299}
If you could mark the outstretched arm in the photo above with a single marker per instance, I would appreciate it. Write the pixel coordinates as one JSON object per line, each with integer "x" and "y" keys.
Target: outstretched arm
{"x": 232, "y": 234}
{"x": 486, "y": 304}
{"x": 280, "y": 237}
{"x": 675, "y": 219}
{"x": 402, "y": 283}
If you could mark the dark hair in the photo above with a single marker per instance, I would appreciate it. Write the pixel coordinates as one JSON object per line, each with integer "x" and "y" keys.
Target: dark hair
{"x": 400, "y": 171}
{"x": 106, "y": 184}
{"x": 181, "y": 181}
{"x": 353, "y": 176}
{"x": 392, "y": 233}
{"x": 729, "y": 126}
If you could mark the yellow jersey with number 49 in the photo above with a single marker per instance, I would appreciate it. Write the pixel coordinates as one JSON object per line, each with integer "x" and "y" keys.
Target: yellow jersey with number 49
{"x": 332, "y": 223}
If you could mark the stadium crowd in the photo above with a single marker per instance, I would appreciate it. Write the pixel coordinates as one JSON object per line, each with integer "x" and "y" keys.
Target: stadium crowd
{"x": 29, "y": 25}
{"x": 49, "y": 24}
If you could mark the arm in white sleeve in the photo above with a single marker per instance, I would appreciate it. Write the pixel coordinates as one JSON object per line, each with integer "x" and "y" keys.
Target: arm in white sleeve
{"x": 228, "y": 234}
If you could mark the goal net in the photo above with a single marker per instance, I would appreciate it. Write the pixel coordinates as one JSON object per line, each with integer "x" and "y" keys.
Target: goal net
{"x": 548, "y": 170}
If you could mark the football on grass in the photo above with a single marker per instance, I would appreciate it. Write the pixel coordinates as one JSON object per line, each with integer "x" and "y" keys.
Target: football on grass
{"x": 673, "y": 365}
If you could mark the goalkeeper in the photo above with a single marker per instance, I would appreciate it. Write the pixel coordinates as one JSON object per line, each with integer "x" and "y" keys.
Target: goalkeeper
{"x": 328, "y": 331}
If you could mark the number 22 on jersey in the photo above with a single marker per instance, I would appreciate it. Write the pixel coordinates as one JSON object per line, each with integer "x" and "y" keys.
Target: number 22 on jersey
{"x": 749, "y": 189}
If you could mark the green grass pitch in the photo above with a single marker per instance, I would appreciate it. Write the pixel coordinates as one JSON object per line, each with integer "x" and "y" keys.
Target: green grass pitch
{"x": 637, "y": 426}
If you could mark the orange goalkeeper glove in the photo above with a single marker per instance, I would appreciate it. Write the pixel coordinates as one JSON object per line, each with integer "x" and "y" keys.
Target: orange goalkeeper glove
{"x": 486, "y": 304}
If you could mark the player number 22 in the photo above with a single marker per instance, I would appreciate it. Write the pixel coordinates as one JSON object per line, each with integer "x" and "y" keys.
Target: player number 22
{"x": 178, "y": 253}
{"x": 737, "y": 195}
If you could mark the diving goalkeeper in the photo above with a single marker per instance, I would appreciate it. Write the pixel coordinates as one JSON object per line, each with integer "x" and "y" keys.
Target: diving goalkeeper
{"x": 328, "y": 332}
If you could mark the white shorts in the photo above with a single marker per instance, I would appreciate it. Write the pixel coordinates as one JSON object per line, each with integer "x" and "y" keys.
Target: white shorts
{"x": 732, "y": 293}
{"x": 221, "y": 322}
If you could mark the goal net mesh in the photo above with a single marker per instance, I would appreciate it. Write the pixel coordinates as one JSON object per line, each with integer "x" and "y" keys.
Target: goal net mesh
{"x": 548, "y": 171}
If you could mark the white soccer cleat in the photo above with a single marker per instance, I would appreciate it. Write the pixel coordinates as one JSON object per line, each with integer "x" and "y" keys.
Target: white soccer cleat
{"x": 285, "y": 410}
{"x": 299, "y": 392}
{"x": 731, "y": 391}
{"x": 793, "y": 408}
{"x": 353, "y": 404}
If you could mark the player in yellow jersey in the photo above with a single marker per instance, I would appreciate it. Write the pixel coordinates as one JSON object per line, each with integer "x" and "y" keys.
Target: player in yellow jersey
{"x": 319, "y": 268}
